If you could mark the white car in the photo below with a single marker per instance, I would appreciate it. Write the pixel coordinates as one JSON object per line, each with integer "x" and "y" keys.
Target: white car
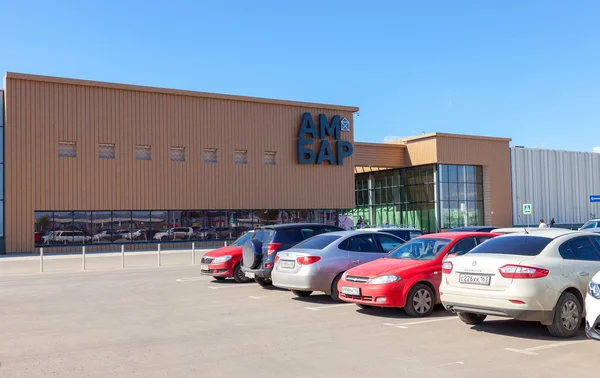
{"x": 592, "y": 223}
{"x": 540, "y": 277}
{"x": 592, "y": 309}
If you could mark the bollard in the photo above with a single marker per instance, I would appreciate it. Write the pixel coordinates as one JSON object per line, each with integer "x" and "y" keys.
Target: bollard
{"x": 225, "y": 244}
{"x": 83, "y": 258}
{"x": 193, "y": 253}
{"x": 122, "y": 256}
{"x": 159, "y": 255}
{"x": 41, "y": 260}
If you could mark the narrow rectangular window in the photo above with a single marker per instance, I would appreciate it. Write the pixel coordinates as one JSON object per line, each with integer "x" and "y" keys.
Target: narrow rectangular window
{"x": 270, "y": 158}
{"x": 241, "y": 157}
{"x": 178, "y": 154}
{"x": 67, "y": 149}
{"x": 106, "y": 151}
{"x": 210, "y": 155}
{"x": 143, "y": 152}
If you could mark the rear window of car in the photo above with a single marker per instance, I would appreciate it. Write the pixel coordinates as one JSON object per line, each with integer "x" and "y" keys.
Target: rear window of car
{"x": 318, "y": 242}
{"x": 522, "y": 245}
{"x": 263, "y": 235}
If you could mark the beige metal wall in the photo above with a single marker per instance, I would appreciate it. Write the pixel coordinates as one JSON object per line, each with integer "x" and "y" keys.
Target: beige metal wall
{"x": 41, "y": 111}
{"x": 494, "y": 155}
{"x": 379, "y": 155}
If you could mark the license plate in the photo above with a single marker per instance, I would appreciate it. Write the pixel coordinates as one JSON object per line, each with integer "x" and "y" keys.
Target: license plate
{"x": 287, "y": 264}
{"x": 351, "y": 290}
{"x": 250, "y": 274}
{"x": 474, "y": 279}
{"x": 204, "y": 267}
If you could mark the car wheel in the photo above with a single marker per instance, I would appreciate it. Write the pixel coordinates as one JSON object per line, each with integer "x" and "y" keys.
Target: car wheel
{"x": 239, "y": 276}
{"x": 567, "y": 317}
{"x": 301, "y": 293}
{"x": 220, "y": 278}
{"x": 420, "y": 301}
{"x": 335, "y": 294}
{"x": 364, "y": 306}
{"x": 262, "y": 281}
{"x": 470, "y": 318}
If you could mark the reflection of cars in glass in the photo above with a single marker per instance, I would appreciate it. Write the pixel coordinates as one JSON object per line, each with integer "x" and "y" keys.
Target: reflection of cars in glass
{"x": 409, "y": 277}
{"x": 133, "y": 235}
{"x": 260, "y": 251}
{"x": 592, "y": 309}
{"x": 214, "y": 233}
{"x": 473, "y": 229}
{"x": 541, "y": 276}
{"x": 38, "y": 237}
{"x": 317, "y": 264}
{"x": 107, "y": 235}
{"x": 65, "y": 237}
{"x": 181, "y": 233}
{"x": 225, "y": 262}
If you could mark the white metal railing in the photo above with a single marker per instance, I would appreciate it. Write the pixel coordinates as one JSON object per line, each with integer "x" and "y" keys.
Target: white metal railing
{"x": 158, "y": 254}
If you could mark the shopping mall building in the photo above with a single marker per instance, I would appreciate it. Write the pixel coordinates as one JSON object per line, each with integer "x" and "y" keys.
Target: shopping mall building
{"x": 101, "y": 163}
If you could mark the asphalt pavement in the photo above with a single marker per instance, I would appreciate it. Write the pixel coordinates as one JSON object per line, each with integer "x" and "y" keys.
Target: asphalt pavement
{"x": 171, "y": 322}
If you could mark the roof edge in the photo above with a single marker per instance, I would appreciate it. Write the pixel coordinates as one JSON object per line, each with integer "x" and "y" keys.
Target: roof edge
{"x": 182, "y": 92}
{"x": 388, "y": 145}
{"x": 457, "y": 136}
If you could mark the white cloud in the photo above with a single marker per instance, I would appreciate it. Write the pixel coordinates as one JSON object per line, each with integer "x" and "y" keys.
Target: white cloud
{"x": 391, "y": 138}
{"x": 596, "y": 149}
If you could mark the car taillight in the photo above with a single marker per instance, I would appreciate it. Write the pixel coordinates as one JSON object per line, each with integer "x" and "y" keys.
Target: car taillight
{"x": 276, "y": 259}
{"x": 307, "y": 260}
{"x": 272, "y": 248}
{"x": 447, "y": 267}
{"x": 520, "y": 271}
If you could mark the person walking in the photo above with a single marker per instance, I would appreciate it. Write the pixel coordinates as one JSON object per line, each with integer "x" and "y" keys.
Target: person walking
{"x": 543, "y": 224}
{"x": 551, "y": 224}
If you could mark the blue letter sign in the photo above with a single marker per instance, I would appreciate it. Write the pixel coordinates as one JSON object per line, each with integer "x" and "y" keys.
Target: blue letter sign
{"x": 308, "y": 134}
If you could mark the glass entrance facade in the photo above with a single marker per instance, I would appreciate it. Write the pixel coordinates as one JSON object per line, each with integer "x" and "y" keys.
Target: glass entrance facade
{"x": 430, "y": 198}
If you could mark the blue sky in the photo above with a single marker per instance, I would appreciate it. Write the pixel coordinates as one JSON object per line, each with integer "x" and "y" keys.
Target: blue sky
{"x": 528, "y": 70}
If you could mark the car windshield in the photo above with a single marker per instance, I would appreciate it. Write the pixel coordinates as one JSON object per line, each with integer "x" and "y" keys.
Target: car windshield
{"x": 263, "y": 235}
{"x": 420, "y": 249}
{"x": 317, "y": 242}
{"x": 242, "y": 239}
{"x": 522, "y": 245}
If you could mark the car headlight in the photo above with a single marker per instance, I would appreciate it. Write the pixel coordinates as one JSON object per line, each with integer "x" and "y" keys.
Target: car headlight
{"x": 384, "y": 279}
{"x": 344, "y": 276}
{"x": 594, "y": 289}
{"x": 222, "y": 259}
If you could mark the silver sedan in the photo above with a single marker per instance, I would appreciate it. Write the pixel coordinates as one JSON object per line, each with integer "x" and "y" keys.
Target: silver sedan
{"x": 317, "y": 264}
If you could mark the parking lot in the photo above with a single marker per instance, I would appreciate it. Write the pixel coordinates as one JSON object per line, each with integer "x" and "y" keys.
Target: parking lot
{"x": 170, "y": 322}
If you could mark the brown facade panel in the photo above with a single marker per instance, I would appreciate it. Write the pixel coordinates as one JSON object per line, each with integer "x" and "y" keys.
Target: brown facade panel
{"x": 421, "y": 151}
{"x": 41, "y": 113}
{"x": 494, "y": 155}
{"x": 379, "y": 155}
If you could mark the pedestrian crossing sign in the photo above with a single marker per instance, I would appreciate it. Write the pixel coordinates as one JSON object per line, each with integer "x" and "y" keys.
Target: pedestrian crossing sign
{"x": 527, "y": 208}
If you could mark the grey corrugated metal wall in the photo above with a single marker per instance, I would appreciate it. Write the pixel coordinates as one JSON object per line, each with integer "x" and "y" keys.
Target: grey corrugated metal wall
{"x": 557, "y": 183}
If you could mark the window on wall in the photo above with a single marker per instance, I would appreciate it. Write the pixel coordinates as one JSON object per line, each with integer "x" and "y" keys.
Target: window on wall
{"x": 270, "y": 158}
{"x": 210, "y": 155}
{"x": 143, "y": 152}
{"x": 106, "y": 151}
{"x": 461, "y": 196}
{"x": 178, "y": 154}
{"x": 241, "y": 157}
{"x": 67, "y": 149}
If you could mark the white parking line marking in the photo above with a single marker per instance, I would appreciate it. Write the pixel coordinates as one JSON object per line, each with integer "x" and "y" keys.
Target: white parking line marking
{"x": 253, "y": 297}
{"x": 229, "y": 287}
{"x": 328, "y": 306}
{"x": 187, "y": 279}
{"x": 439, "y": 366}
{"x": 531, "y": 351}
{"x": 405, "y": 325}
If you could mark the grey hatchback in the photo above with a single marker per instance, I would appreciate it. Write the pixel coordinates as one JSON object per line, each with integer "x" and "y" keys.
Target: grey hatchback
{"x": 259, "y": 252}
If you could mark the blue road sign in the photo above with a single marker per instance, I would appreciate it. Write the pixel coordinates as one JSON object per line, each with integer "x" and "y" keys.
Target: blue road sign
{"x": 595, "y": 198}
{"x": 527, "y": 208}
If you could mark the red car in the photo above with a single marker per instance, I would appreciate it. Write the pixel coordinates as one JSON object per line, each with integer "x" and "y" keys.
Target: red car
{"x": 225, "y": 262}
{"x": 410, "y": 275}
